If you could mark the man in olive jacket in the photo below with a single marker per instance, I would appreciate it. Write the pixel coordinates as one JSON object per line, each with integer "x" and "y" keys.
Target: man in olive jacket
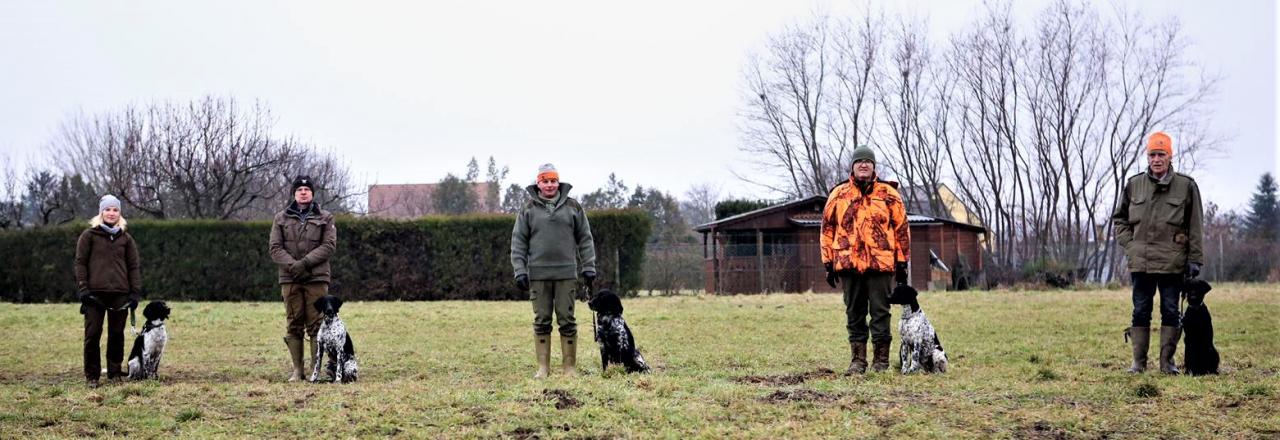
{"x": 551, "y": 245}
{"x": 1158, "y": 222}
{"x": 303, "y": 237}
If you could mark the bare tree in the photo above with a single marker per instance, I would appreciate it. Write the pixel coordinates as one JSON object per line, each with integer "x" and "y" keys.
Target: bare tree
{"x": 1036, "y": 125}
{"x": 790, "y": 110}
{"x": 208, "y": 158}
{"x": 699, "y": 205}
{"x": 905, "y": 93}
{"x": 11, "y": 207}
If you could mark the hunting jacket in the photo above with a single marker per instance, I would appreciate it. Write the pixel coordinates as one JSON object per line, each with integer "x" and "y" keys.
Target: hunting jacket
{"x": 551, "y": 239}
{"x": 865, "y": 232}
{"x": 310, "y": 237}
{"x": 1159, "y": 224}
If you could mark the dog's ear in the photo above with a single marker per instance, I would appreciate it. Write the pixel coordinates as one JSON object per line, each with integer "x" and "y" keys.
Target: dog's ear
{"x": 337, "y": 303}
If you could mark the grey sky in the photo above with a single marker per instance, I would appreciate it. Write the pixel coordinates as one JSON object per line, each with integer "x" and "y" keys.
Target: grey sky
{"x": 406, "y": 92}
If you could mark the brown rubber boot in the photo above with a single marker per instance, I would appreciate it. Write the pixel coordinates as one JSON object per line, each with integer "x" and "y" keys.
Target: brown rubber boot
{"x": 1141, "y": 339}
{"x": 295, "y": 355}
{"x": 1169, "y": 336}
{"x": 880, "y": 361}
{"x": 858, "y": 362}
{"x": 542, "y": 348}
{"x": 569, "y": 353}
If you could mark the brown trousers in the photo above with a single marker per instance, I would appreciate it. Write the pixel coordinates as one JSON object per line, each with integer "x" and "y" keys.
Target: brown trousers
{"x": 300, "y": 310}
{"x": 93, "y": 317}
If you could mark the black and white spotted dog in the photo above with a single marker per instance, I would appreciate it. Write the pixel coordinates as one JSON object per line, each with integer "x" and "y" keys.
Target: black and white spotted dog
{"x": 148, "y": 346}
{"x": 617, "y": 343}
{"x": 333, "y": 341}
{"x": 920, "y": 349}
{"x": 1200, "y": 357}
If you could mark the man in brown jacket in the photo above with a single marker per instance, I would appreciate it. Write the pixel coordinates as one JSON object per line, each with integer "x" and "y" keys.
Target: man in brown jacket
{"x": 303, "y": 237}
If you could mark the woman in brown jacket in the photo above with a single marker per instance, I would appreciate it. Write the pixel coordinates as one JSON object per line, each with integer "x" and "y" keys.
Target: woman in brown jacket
{"x": 109, "y": 282}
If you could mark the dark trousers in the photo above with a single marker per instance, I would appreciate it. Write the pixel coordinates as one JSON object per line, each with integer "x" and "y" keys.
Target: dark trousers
{"x": 300, "y": 311}
{"x": 863, "y": 293}
{"x": 1144, "y": 291}
{"x": 93, "y": 317}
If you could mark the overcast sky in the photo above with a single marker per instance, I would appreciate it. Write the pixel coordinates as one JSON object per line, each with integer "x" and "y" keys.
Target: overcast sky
{"x": 408, "y": 91}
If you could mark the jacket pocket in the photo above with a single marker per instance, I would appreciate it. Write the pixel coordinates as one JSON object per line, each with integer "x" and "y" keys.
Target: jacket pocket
{"x": 1137, "y": 209}
{"x": 1176, "y": 210}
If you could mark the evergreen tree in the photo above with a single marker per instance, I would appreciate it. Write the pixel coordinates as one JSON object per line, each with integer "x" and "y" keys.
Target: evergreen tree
{"x": 453, "y": 196}
{"x": 1263, "y": 221}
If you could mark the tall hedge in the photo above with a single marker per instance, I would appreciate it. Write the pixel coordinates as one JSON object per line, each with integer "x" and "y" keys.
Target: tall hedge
{"x": 432, "y": 258}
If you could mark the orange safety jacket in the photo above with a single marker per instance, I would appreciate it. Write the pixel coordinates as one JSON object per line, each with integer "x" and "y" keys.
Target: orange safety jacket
{"x": 865, "y": 233}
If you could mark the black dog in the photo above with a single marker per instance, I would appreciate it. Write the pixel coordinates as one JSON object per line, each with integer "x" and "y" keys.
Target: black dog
{"x": 1199, "y": 357}
{"x": 333, "y": 341}
{"x": 920, "y": 349}
{"x": 148, "y": 346}
{"x": 617, "y": 344}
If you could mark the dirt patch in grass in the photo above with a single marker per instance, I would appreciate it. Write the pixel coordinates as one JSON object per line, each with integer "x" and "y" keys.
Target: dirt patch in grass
{"x": 562, "y": 398}
{"x": 801, "y": 395}
{"x": 788, "y": 379}
{"x": 1042, "y": 430}
{"x": 524, "y": 434}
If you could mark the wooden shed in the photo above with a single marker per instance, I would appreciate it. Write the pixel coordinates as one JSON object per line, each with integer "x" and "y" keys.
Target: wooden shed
{"x": 777, "y": 249}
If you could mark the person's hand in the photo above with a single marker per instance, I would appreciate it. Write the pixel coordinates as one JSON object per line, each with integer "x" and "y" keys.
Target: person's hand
{"x": 831, "y": 274}
{"x": 297, "y": 269}
{"x": 900, "y": 273}
{"x": 91, "y": 300}
{"x": 134, "y": 297}
{"x": 522, "y": 282}
{"x": 589, "y": 276}
{"x": 1193, "y": 270}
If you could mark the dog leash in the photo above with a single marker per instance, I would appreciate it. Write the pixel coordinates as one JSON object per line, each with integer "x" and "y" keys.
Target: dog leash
{"x": 133, "y": 321}
{"x": 591, "y": 294}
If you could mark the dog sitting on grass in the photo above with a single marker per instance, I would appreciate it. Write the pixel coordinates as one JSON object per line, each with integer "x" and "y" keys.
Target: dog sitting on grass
{"x": 920, "y": 349}
{"x": 333, "y": 341}
{"x": 1199, "y": 356}
{"x": 617, "y": 343}
{"x": 148, "y": 346}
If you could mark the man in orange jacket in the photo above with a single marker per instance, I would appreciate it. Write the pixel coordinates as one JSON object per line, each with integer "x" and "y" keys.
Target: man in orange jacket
{"x": 865, "y": 244}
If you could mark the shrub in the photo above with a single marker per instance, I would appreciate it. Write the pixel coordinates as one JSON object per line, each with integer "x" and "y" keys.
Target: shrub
{"x": 431, "y": 258}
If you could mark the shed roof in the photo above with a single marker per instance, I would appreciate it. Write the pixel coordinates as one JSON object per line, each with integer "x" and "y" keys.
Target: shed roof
{"x": 811, "y": 220}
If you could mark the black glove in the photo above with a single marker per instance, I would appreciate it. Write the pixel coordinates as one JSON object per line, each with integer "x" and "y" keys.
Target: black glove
{"x": 134, "y": 297}
{"x": 589, "y": 276}
{"x": 522, "y": 282}
{"x": 900, "y": 273}
{"x": 1193, "y": 270}
{"x": 831, "y": 274}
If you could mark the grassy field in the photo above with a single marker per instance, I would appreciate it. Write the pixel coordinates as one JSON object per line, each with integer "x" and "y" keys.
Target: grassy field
{"x": 1024, "y": 365}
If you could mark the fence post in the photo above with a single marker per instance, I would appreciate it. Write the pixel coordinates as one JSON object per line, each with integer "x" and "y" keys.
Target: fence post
{"x": 760, "y": 257}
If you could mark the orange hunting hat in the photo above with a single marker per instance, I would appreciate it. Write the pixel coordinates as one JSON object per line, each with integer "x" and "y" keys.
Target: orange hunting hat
{"x": 1160, "y": 141}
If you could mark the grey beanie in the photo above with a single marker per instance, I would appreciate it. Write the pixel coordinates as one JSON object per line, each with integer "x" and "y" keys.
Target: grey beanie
{"x": 863, "y": 152}
{"x": 108, "y": 201}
